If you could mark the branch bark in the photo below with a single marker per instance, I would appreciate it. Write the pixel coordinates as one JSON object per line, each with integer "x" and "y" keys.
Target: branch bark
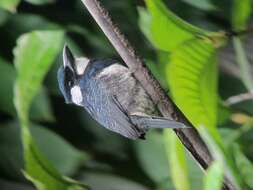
{"x": 189, "y": 137}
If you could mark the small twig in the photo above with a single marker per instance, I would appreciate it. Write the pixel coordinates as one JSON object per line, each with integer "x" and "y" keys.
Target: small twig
{"x": 239, "y": 98}
{"x": 189, "y": 137}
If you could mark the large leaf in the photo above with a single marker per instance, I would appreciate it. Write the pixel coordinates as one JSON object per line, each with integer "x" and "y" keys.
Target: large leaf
{"x": 70, "y": 158}
{"x": 241, "y": 12}
{"x": 34, "y": 54}
{"x": 214, "y": 177}
{"x": 177, "y": 160}
{"x": 11, "y": 150}
{"x": 168, "y": 30}
{"x": 40, "y": 109}
{"x": 192, "y": 76}
{"x": 9, "y": 4}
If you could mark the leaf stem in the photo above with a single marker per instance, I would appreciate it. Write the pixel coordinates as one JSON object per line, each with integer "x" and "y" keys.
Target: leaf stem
{"x": 239, "y": 98}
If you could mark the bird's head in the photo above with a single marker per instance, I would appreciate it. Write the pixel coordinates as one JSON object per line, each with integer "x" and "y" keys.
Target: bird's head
{"x": 69, "y": 75}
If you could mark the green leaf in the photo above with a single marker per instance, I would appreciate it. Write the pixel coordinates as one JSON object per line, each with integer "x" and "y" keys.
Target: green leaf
{"x": 201, "y": 4}
{"x": 244, "y": 165}
{"x": 40, "y": 171}
{"x": 21, "y": 23}
{"x": 155, "y": 69}
{"x": 192, "y": 77}
{"x": 40, "y": 2}
{"x": 4, "y": 15}
{"x": 9, "y": 5}
{"x": 241, "y": 11}
{"x": 221, "y": 155}
{"x": 13, "y": 185}
{"x": 70, "y": 158}
{"x": 177, "y": 160}
{"x": 195, "y": 172}
{"x": 145, "y": 19}
{"x": 151, "y": 155}
{"x": 214, "y": 177}
{"x": 106, "y": 181}
{"x": 243, "y": 63}
{"x": 34, "y": 54}
{"x": 11, "y": 152}
{"x": 168, "y": 30}
{"x": 40, "y": 109}
{"x": 7, "y": 82}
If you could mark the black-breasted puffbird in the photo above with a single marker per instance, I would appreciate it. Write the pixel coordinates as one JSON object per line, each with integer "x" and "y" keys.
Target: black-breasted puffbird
{"x": 111, "y": 94}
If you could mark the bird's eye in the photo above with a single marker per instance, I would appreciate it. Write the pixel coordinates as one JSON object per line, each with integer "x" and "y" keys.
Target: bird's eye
{"x": 70, "y": 83}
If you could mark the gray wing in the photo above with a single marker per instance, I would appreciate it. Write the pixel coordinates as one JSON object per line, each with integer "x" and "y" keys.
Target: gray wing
{"x": 105, "y": 109}
{"x": 148, "y": 122}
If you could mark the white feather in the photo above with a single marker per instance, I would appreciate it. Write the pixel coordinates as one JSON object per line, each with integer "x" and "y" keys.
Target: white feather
{"x": 81, "y": 64}
{"x": 76, "y": 95}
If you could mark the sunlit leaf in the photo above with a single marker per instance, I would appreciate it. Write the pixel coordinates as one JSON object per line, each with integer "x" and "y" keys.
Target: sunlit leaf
{"x": 168, "y": 30}
{"x": 241, "y": 11}
{"x": 214, "y": 177}
{"x": 9, "y": 4}
{"x": 177, "y": 160}
{"x": 40, "y": 108}
{"x": 192, "y": 76}
{"x": 34, "y": 54}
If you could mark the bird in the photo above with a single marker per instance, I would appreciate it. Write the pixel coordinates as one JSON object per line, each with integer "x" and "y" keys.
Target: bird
{"x": 109, "y": 92}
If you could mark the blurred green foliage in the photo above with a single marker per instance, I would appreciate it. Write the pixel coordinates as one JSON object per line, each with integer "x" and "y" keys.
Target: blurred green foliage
{"x": 43, "y": 140}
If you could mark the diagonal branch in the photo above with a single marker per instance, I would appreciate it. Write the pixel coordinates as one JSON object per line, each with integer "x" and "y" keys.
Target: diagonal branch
{"x": 189, "y": 137}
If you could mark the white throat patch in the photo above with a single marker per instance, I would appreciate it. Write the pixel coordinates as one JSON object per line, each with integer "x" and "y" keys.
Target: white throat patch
{"x": 81, "y": 64}
{"x": 76, "y": 95}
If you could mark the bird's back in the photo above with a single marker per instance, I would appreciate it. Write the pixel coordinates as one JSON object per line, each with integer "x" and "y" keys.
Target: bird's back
{"x": 111, "y": 94}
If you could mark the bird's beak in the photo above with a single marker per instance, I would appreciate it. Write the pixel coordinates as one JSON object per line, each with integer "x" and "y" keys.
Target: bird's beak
{"x": 68, "y": 58}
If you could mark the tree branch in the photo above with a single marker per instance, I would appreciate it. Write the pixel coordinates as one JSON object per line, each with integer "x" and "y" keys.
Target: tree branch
{"x": 239, "y": 98}
{"x": 189, "y": 137}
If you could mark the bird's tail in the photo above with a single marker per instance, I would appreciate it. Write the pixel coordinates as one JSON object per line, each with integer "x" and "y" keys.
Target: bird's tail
{"x": 148, "y": 122}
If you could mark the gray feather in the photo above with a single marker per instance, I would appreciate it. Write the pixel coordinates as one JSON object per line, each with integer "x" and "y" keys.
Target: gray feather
{"x": 106, "y": 110}
{"x": 148, "y": 122}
